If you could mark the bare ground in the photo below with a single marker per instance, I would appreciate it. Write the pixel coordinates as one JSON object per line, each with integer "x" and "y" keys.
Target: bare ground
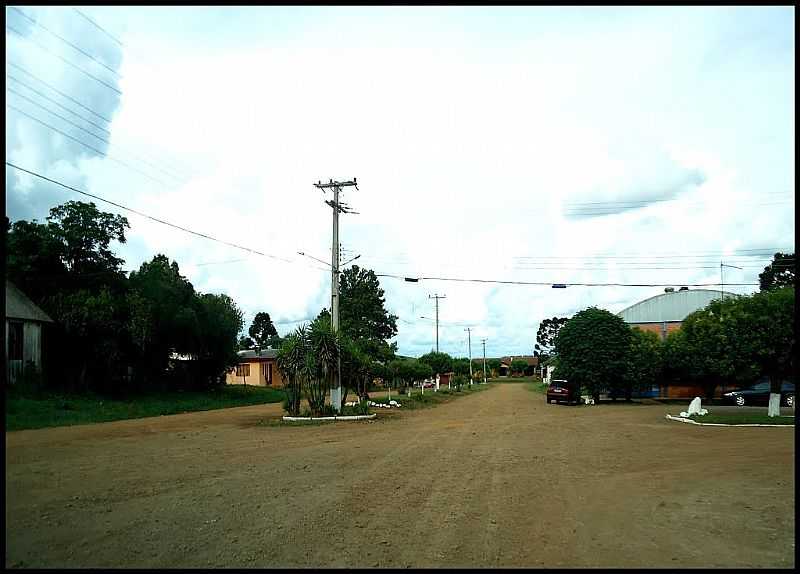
{"x": 497, "y": 478}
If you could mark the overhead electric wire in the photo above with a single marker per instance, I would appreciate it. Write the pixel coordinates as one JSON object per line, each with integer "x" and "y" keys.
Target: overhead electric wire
{"x": 56, "y": 90}
{"x": 99, "y": 27}
{"x": 157, "y": 220}
{"x": 67, "y": 42}
{"x": 648, "y": 201}
{"x": 62, "y": 106}
{"x": 102, "y": 154}
{"x": 568, "y": 284}
{"x": 49, "y": 51}
{"x": 173, "y": 176}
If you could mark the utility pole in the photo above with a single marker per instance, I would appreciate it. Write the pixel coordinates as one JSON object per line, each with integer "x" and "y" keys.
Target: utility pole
{"x": 722, "y": 281}
{"x": 437, "y": 297}
{"x": 337, "y": 207}
{"x": 484, "y": 360}
{"x": 469, "y": 339}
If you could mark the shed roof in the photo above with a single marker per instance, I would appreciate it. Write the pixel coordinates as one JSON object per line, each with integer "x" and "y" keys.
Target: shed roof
{"x": 255, "y": 355}
{"x": 674, "y": 306}
{"x": 19, "y": 306}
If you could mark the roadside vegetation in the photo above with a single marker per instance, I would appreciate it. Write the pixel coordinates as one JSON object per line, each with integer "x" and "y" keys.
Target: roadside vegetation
{"x": 43, "y": 409}
{"x": 430, "y": 398}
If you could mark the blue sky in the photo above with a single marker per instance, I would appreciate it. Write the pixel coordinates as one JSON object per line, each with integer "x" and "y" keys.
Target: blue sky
{"x": 516, "y": 143}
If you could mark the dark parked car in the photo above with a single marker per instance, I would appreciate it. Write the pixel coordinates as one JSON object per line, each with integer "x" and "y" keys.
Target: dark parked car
{"x": 758, "y": 394}
{"x": 561, "y": 390}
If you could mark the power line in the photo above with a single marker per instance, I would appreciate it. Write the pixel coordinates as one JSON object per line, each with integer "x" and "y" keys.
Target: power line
{"x": 63, "y": 59}
{"x": 173, "y": 176}
{"x": 157, "y": 220}
{"x": 62, "y": 106}
{"x": 67, "y": 42}
{"x": 648, "y": 201}
{"x": 56, "y": 90}
{"x": 99, "y": 27}
{"x": 551, "y": 283}
{"x": 102, "y": 153}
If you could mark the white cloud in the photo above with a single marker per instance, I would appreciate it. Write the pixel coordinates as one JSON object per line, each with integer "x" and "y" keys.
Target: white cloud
{"x": 469, "y": 143}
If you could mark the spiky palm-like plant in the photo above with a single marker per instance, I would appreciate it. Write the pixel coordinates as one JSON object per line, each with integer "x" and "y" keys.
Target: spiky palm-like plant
{"x": 292, "y": 359}
{"x": 324, "y": 346}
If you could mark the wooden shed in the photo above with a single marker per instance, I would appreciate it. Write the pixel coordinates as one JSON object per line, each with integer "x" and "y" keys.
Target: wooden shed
{"x": 24, "y": 322}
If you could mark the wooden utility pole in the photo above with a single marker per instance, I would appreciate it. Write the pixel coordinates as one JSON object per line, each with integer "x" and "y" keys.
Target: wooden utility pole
{"x": 436, "y": 298}
{"x": 469, "y": 345}
{"x": 484, "y": 360}
{"x": 337, "y": 207}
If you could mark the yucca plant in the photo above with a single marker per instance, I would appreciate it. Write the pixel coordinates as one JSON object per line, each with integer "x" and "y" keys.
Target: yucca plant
{"x": 324, "y": 364}
{"x": 291, "y": 361}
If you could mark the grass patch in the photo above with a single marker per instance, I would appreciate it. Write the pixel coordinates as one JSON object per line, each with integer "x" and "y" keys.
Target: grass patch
{"x": 431, "y": 398}
{"x": 743, "y": 419}
{"x": 56, "y": 409}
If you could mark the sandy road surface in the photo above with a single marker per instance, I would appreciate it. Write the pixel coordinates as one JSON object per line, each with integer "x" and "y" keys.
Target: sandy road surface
{"x": 497, "y": 478}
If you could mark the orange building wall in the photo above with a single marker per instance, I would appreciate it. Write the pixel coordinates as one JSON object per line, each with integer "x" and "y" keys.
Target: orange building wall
{"x": 658, "y": 328}
{"x": 256, "y": 377}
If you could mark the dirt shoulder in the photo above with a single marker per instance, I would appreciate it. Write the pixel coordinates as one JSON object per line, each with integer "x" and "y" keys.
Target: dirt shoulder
{"x": 498, "y": 478}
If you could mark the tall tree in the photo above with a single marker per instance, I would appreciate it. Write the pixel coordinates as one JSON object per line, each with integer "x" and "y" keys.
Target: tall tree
{"x": 438, "y": 362}
{"x": 363, "y": 314}
{"x": 263, "y": 332}
{"x": 782, "y": 272}
{"x": 546, "y": 335}
{"x": 644, "y": 364}
{"x": 592, "y": 349}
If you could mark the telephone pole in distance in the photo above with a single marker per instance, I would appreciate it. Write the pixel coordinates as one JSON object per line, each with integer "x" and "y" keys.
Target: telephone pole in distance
{"x": 469, "y": 339}
{"x": 437, "y": 297}
{"x": 484, "y": 360}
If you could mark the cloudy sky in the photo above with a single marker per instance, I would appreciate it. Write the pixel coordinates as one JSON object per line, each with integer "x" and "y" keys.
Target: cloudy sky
{"x": 544, "y": 145}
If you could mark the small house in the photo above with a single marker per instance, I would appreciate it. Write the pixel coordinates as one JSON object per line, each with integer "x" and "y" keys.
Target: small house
{"x": 24, "y": 326}
{"x": 256, "y": 367}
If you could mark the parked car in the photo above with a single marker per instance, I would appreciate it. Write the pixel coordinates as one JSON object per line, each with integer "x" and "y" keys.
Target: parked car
{"x": 560, "y": 390}
{"x": 758, "y": 394}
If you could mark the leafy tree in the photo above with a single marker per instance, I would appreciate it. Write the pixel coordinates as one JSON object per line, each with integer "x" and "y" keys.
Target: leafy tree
{"x": 461, "y": 366}
{"x": 493, "y": 366}
{"x": 644, "y": 364}
{"x": 438, "y": 362}
{"x": 780, "y": 273}
{"x": 263, "y": 332}
{"x": 518, "y": 367}
{"x": 220, "y": 320}
{"x": 363, "y": 315}
{"x": 245, "y": 343}
{"x": 593, "y": 348}
{"x": 546, "y": 335}
{"x": 759, "y": 332}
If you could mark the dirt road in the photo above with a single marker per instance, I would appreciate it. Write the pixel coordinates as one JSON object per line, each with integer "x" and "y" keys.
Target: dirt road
{"x": 498, "y": 478}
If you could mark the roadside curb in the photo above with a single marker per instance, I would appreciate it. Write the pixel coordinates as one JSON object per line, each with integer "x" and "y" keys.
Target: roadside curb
{"x": 690, "y": 421}
{"x": 344, "y": 418}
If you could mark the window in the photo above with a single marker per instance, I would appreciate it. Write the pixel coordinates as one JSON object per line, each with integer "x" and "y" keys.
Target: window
{"x": 243, "y": 370}
{"x": 14, "y": 340}
{"x": 266, "y": 370}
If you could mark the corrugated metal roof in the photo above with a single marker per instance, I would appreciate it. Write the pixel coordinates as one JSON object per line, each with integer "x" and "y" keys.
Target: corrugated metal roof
{"x": 263, "y": 354}
{"x": 18, "y": 306}
{"x": 675, "y": 306}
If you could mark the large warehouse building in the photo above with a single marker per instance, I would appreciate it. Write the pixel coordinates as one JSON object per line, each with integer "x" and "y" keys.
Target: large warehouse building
{"x": 664, "y": 313}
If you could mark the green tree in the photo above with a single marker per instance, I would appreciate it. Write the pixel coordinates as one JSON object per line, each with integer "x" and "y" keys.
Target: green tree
{"x": 220, "y": 320}
{"x": 323, "y": 364}
{"x": 546, "y": 335}
{"x": 518, "y": 367}
{"x": 493, "y": 366}
{"x": 438, "y": 362}
{"x": 644, "y": 364}
{"x": 263, "y": 332}
{"x": 363, "y": 315}
{"x": 759, "y": 332}
{"x": 460, "y": 366}
{"x": 593, "y": 348}
{"x": 245, "y": 343}
{"x": 781, "y": 272}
